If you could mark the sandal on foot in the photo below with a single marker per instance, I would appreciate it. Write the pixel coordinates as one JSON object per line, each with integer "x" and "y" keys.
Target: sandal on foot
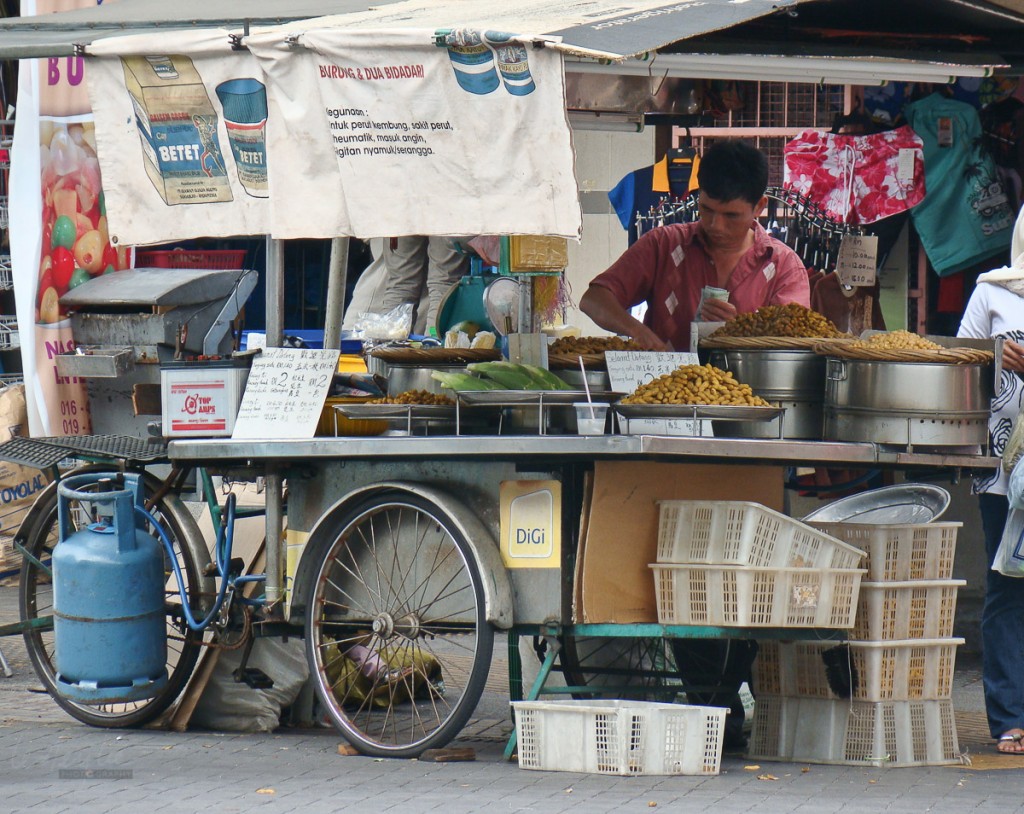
{"x": 1011, "y": 743}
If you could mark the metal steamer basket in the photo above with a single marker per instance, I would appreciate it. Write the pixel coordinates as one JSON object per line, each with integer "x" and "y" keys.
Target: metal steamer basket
{"x": 907, "y": 403}
{"x": 793, "y": 379}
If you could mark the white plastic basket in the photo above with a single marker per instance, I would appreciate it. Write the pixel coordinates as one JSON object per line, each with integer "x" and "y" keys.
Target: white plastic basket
{"x": 903, "y": 670}
{"x": 619, "y": 737}
{"x": 916, "y": 609}
{"x": 900, "y": 552}
{"x": 856, "y": 733}
{"x": 731, "y": 532}
{"x": 735, "y": 596}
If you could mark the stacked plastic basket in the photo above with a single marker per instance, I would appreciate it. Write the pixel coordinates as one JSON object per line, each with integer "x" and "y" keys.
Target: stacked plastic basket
{"x": 885, "y": 697}
{"x": 741, "y": 564}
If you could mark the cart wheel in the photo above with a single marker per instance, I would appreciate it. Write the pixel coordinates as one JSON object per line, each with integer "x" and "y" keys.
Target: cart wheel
{"x": 396, "y": 634}
{"x": 641, "y": 669}
{"x": 36, "y": 600}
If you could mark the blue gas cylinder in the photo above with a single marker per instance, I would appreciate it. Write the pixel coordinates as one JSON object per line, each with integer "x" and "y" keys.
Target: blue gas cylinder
{"x": 109, "y": 622}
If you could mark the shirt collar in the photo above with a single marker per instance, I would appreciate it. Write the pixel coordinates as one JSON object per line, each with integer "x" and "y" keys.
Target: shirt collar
{"x": 763, "y": 245}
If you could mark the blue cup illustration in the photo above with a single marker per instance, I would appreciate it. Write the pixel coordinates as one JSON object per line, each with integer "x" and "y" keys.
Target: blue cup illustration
{"x": 473, "y": 63}
{"x": 245, "y": 117}
{"x": 513, "y": 63}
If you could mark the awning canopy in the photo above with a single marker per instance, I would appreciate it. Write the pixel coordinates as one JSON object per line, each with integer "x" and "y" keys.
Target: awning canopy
{"x": 596, "y": 27}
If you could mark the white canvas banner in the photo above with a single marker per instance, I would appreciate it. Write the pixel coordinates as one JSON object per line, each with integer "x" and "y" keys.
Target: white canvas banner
{"x": 181, "y": 123}
{"x": 377, "y": 134}
{"x": 329, "y": 132}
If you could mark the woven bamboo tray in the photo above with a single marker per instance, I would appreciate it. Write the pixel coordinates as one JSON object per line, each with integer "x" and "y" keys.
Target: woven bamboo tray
{"x": 846, "y": 349}
{"x": 571, "y": 361}
{"x": 761, "y": 342}
{"x": 435, "y": 356}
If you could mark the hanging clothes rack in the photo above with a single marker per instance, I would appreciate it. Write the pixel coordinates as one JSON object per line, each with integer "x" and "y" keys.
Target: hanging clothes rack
{"x": 794, "y": 219}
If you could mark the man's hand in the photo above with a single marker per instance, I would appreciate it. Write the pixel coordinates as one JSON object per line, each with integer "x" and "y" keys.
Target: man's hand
{"x": 599, "y": 304}
{"x": 717, "y": 311}
{"x": 1013, "y": 356}
{"x": 647, "y": 339}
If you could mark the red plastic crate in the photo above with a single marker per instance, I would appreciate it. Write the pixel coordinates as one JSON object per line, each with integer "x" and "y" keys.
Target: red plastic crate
{"x": 190, "y": 259}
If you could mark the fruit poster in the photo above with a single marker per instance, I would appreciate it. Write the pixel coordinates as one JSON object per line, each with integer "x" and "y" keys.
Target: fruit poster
{"x": 59, "y": 233}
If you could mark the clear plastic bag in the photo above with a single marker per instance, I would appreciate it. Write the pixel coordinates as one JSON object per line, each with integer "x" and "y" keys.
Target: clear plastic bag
{"x": 393, "y": 324}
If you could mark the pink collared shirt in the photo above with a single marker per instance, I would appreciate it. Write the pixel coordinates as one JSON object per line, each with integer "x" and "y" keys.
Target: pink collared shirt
{"x": 669, "y": 266}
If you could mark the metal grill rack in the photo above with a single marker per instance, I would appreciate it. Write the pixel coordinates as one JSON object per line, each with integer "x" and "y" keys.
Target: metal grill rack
{"x": 9, "y": 336}
{"x": 43, "y": 453}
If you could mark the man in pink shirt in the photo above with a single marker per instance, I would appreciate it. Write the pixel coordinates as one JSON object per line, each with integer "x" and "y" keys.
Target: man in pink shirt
{"x": 726, "y": 248}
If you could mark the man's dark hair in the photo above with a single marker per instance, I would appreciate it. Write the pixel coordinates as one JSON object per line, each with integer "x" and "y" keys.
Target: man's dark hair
{"x": 731, "y": 169}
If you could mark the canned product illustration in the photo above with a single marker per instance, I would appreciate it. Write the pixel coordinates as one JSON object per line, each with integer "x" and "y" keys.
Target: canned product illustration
{"x": 177, "y": 125}
{"x": 513, "y": 63}
{"x": 473, "y": 63}
{"x": 244, "y": 102}
{"x": 162, "y": 66}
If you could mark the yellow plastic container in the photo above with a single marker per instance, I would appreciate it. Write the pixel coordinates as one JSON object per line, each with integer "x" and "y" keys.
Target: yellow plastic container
{"x": 333, "y": 423}
{"x": 351, "y": 363}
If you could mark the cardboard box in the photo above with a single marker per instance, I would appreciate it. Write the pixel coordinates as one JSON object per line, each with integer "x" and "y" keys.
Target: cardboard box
{"x": 201, "y": 399}
{"x": 622, "y": 528}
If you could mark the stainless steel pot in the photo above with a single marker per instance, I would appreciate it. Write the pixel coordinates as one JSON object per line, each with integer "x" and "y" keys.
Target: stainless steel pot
{"x": 597, "y": 380}
{"x": 907, "y": 403}
{"x": 776, "y": 374}
{"x": 794, "y": 379}
{"x": 416, "y": 377}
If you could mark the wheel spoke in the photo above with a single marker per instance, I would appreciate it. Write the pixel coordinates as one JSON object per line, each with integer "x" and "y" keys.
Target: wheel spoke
{"x": 430, "y": 626}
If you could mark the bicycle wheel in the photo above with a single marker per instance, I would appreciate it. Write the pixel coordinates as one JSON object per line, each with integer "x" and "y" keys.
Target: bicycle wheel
{"x": 397, "y": 589}
{"x": 36, "y": 600}
{"x": 639, "y": 669}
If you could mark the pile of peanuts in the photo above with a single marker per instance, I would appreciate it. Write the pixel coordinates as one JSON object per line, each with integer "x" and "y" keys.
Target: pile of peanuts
{"x": 415, "y": 397}
{"x": 590, "y": 344}
{"x": 696, "y": 384}
{"x": 789, "y": 320}
{"x": 896, "y": 340}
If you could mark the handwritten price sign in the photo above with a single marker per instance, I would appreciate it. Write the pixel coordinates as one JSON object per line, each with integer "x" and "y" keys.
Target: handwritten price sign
{"x": 285, "y": 393}
{"x": 857, "y": 257}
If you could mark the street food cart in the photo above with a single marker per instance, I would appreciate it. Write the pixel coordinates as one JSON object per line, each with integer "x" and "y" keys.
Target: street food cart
{"x": 403, "y": 544}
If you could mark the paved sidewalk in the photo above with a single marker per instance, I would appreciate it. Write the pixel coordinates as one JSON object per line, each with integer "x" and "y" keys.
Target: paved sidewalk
{"x": 51, "y": 763}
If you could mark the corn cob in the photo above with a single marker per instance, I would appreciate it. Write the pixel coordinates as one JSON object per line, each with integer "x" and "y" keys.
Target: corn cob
{"x": 506, "y": 374}
{"x": 546, "y": 380}
{"x": 464, "y": 381}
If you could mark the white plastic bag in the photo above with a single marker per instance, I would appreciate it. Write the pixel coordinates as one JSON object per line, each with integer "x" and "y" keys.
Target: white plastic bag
{"x": 393, "y": 324}
{"x": 231, "y": 706}
{"x": 1009, "y": 559}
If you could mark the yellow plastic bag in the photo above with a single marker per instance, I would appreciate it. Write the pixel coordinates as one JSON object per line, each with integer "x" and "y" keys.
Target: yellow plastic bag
{"x": 417, "y": 675}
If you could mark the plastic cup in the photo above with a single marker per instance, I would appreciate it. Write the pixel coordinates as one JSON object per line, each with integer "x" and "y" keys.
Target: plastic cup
{"x": 587, "y": 423}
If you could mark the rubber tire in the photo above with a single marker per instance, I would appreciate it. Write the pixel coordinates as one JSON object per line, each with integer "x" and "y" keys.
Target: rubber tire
{"x": 333, "y": 547}
{"x": 39, "y": 643}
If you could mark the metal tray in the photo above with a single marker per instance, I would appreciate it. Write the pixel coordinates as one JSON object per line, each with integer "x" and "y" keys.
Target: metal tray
{"x": 698, "y": 411}
{"x": 506, "y": 397}
{"x": 902, "y": 503}
{"x": 402, "y": 411}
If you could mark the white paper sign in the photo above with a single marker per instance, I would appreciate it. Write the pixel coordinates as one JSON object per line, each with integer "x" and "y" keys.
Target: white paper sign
{"x": 857, "y": 257}
{"x": 285, "y": 393}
